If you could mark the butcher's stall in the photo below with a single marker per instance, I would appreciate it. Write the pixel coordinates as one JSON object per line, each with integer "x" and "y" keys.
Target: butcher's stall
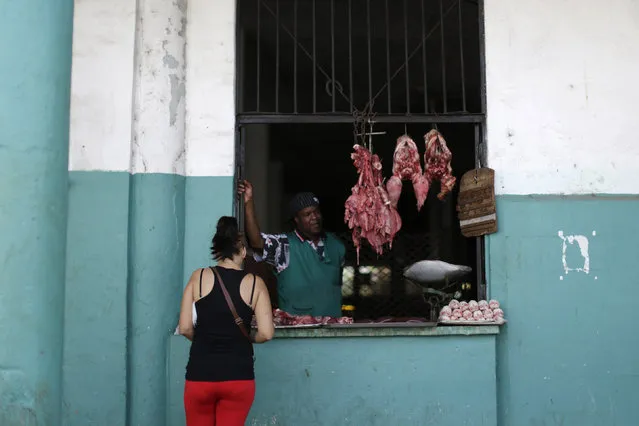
{"x": 400, "y": 374}
{"x": 415, "y": 344}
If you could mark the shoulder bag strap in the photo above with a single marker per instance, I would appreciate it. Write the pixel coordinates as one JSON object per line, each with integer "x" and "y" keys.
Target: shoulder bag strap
{"x": 229, "y": 302}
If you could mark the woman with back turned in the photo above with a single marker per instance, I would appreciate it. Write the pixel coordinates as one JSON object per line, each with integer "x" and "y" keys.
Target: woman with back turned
{"x": 217, "y": 308}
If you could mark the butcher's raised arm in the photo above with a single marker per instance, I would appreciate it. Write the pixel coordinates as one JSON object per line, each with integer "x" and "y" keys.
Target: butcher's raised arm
{"x": 245, "y": 189}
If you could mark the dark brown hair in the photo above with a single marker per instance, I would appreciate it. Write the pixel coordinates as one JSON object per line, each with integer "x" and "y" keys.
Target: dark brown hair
{"x": 227, "y": 239}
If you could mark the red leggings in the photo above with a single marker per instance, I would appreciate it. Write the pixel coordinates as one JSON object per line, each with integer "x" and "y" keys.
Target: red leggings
{"x": 218, "y": 403}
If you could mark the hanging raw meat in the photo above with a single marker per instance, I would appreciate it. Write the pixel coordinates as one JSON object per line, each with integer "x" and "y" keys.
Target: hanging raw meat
{"x": 437, "y": 162}
{"x": 389, "y": 221}
{"x": 406, "y": 158}
{"x": 407, "y": 166}
{"x": 368, "y": 211}
{"x": 421, "y": 185}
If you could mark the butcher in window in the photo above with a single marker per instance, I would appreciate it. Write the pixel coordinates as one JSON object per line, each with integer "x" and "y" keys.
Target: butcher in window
{"x": 308, "y": 261}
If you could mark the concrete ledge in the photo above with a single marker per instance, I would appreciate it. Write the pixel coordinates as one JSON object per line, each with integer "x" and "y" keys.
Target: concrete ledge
{"x": 390, "y": 330}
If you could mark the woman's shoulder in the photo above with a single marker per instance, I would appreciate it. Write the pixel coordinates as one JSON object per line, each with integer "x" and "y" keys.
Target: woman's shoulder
{"x": 250, "y": 277}
{"x": 199, "y": 271}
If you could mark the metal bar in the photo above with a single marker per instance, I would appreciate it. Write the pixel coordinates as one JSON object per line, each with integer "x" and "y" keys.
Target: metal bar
{"x": 443, "y": 54}
{"x": 479, "y": 241}
{"x": 242, "y": 168}
{"x": 237, "y": 175}
{"x": 476, "y": 147}
{"x": 368, "y": 39}
{"x": 388, "y": 76}
{"x": 277, "y": 55}
{"x": 482, "y": 55}
{"x": 461, "y": 55}
{"x": 333, "y": 52}
{"x": 424, "y": 67}
{"x": 350, "y": 54}
{"x": 330, "y": 118}
{"x": 240, "y": 63}
{"x": 295, "y": 57}
{"x": 314, "y": 64}
{"x": 303, "y": 49}
{"x": 259, "y": 33}
{"x": 419, "y": 46}
{"x": 238, "y": 205}
{"x": 481, "y": 286}
{"x": 407, "y": 67}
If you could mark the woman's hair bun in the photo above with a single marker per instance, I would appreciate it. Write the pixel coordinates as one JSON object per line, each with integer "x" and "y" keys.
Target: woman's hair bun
{"x": 226, "y": 241}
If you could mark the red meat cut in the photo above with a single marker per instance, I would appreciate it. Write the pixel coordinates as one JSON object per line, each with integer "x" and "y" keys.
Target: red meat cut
{"x": 437, "y": 162}
{"x": 407, "y": 166}
{"x": 369, "y": 212}
{"x": 281, "y": 318}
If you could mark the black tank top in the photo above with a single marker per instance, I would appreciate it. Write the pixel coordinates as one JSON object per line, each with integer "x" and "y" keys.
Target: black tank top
{"x": 220, "y": 352}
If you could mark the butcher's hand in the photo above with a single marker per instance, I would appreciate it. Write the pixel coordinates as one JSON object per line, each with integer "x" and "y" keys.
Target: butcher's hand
{"x": 245, "y": 189}
{"x": 253, "y": 234}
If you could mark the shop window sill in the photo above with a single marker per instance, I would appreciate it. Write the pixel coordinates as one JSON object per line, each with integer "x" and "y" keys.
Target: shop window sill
{"x": 386, "y": 330}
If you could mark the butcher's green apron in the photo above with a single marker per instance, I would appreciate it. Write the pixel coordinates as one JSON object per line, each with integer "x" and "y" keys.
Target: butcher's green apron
{"x": 311, "y": 285}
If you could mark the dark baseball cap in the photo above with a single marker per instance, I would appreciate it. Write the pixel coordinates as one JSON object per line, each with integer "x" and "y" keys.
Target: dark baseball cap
{"x": 301, "y": 201}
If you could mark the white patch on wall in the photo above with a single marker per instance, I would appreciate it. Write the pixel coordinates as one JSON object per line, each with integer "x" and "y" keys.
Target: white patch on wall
{"x": 582, "y": 244}
{"x": 560, "y": 111}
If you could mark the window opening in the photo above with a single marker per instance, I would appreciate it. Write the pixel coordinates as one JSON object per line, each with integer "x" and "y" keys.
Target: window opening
{"x": 304, "y": 67}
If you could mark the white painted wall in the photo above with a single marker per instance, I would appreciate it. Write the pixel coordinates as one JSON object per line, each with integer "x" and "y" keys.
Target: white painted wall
{"x": 559, "y": 92}
{"x": 210, "y": 88}
{"x": 159, "y": 97}
{"x": 132, "y": 83}
{"x": 562, "y": 94}
{"x": 102, "y": 85}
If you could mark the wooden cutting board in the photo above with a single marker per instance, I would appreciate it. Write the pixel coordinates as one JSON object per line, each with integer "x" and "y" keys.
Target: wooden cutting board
{"x": 476, "y": 207}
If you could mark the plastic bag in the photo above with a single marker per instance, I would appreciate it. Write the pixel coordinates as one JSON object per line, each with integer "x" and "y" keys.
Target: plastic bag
{"x": 434, "y": 270}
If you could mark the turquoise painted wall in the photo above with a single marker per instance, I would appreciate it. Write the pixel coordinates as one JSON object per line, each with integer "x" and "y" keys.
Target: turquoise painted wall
{"x": 125, "y": 273}
{"x": 34, "y": 128}
{"x": 155, "y": 284}
{"x": 568, "y": 355}
{"x": 206, "y": 200}
{"x": 95, "y": 351}
{"x": 420, "y": 381}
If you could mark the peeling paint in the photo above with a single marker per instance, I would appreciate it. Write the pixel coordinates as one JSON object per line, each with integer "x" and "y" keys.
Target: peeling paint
{"x": 177, "y": 95}
{"x": 170, "y": 61}
{"x": 17, "y": 401}
{"x": 582, "y": 243}
{"x": 159, "y": 131}
{"x": 181, "y": 4}
{"x": 182, "y": 31}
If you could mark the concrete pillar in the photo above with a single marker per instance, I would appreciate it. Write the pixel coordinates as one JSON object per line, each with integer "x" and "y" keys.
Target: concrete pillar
{"x": 95, "y": 317}
{"x": 34, "y": 129}
{"x": 156, "y": 227}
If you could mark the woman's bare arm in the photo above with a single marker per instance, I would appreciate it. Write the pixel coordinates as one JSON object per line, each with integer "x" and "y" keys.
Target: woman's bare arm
{"x": 185, "y": 325}
{"x": 263, "y": 313}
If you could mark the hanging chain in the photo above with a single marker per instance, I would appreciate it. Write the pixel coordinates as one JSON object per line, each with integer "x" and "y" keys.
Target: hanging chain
{"x": 477, "y": 153}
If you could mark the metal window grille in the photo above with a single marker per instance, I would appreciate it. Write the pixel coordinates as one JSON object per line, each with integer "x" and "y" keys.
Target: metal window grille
{"x": 410, "y": 61}
{"x": 414, "y": 60}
